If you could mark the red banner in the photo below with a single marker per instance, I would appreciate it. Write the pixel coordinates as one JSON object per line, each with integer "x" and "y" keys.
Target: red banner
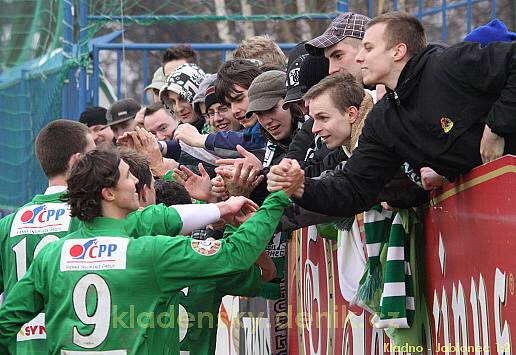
{"x": 320, "y": 319}
{"x": 469, "y": 247}
{"x": 470, "y": 244}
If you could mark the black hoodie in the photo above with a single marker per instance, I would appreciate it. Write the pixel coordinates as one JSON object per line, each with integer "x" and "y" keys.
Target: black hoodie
{"x": 435, "y": 117}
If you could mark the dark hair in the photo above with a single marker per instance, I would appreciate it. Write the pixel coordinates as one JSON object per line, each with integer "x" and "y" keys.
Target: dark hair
{"x": 171, "y": 193}
{"x": 138, "y": 166}
{"x": 93, "y": 172}
{"x": 153, "y": 108}
{"x": 179, "y": 52}
{"x": 57, "y": 142}
{"x": 239, "y": 72}
{"x": 342, "y": 88}
{"x": 271, "y": 66}
{"x": 402, "y": 27}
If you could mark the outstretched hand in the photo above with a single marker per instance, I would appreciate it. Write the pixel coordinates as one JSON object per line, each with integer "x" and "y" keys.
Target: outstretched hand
{"x": 240, "y": 179}
{"x": 491, "y": 145}
{"x": 248, "y": 158}
{"x": 146, "y": 143}
{"x": 188, "y": 134}
{"x": 198, "y": 186}
{"x": 287, "y": 175}
{"x": 234, "y": 207}
{"x": 218, "y": 189}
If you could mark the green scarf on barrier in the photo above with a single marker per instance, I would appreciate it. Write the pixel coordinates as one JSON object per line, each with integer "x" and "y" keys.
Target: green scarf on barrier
{"x": 377, "y": 223}
{"x": 387, "y": 287}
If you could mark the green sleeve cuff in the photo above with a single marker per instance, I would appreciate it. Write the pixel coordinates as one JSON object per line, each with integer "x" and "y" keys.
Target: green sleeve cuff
{"x": 169, "y": 176}
{"x": 282, "y": 196}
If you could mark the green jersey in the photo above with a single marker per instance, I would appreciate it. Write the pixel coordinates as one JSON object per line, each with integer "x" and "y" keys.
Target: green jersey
{"x": 23, "y": 234}
{"x": 200, "y": 305}
{"x": 104, "y": 291}
{"x": 45, "y": 219}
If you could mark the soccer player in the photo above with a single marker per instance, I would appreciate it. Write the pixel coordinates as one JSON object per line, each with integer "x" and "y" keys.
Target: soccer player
{"x": 105, "y": 291}
{"x": 46, "y": 218}
{"x": 43, "y": 220}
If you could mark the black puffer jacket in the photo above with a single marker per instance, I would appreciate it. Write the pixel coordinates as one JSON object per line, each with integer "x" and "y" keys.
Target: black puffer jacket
{"x": 434, "y": 118}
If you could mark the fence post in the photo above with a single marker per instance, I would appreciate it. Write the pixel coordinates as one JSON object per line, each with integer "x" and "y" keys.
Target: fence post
{"x": 82, "y": 52}
{"x": 69, "y": 90}
{"x": 342, "y": 5}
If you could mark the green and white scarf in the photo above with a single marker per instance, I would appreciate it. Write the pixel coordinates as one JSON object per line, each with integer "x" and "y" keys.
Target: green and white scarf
{"x": 397, "y": 303}
{"x": 377, "y": 222}
{"x": 387, "y": 289}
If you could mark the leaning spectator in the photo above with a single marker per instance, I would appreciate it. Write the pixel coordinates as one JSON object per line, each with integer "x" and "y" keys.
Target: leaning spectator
{"x": 233, "y": 79}
{"x": 494, "y": 31}
{"x": 199, "y": 98}
{"x": 340, "y": 43}
{"x": 159, "y": 122}
{"x": 434, "y": 114}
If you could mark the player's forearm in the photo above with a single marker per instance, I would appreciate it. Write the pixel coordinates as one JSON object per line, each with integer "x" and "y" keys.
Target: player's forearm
{"x": 251, "y": 238}
{"x": 198, "y": 216}
{"x": 21, "y": 305}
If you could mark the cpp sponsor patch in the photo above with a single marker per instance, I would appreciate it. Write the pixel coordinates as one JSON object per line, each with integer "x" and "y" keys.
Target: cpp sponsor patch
{"x": 41, "y": 219}
{"x": 100, "y": 253}
{"x": 206, "y": 247}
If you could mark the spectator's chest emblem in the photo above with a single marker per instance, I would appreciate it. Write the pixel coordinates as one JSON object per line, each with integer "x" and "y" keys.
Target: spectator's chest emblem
{"x": 446, "y": 124}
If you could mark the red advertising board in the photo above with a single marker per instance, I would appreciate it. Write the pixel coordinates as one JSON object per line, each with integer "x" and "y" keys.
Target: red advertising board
{"x": 470, "y": 238}
{"x": 469, "y": 255}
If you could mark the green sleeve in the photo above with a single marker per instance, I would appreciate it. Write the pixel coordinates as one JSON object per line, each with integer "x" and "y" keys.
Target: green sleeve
{"x": 182, "y": 261}
{"x": 247, "y": 283}
{"x": 229, "y": 230}
{"x": 23, "y": 303}
{"x": 154, "y": 220}
{"x": 5, "y": 229}
{"x": 169, "y": 176}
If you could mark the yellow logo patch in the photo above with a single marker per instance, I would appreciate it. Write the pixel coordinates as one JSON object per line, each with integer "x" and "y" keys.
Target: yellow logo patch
{"x": 446, "y": 124}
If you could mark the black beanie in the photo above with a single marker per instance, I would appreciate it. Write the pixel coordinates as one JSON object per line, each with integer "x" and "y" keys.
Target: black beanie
{"x": 313, "y": 70}
{"x": 94, "y": 116}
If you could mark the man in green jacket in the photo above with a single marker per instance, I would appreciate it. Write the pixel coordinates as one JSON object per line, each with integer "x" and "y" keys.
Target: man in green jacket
{"x": 104, "y": 291}
{"x": 46, "y": 218}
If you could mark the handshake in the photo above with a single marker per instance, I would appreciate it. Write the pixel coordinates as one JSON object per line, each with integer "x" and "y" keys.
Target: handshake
{"x": 287, "y": 175}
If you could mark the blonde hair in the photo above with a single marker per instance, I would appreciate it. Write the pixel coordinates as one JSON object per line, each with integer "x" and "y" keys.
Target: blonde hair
{"x": 262, "y": 48}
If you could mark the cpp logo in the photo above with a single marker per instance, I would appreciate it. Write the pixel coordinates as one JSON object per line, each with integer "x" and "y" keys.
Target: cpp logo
{"x": 42, "y": 214}
{"x": 92, "y": 250}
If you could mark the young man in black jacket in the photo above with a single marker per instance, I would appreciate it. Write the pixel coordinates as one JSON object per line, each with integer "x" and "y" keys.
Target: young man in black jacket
{"x": 442, "y": 104}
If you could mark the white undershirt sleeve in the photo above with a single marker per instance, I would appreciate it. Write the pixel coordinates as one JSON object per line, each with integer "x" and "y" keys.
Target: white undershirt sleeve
{"x": 196, "y": 216}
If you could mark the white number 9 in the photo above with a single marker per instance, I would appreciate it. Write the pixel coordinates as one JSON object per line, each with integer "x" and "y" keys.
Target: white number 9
{"x": 100, "y": 319}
